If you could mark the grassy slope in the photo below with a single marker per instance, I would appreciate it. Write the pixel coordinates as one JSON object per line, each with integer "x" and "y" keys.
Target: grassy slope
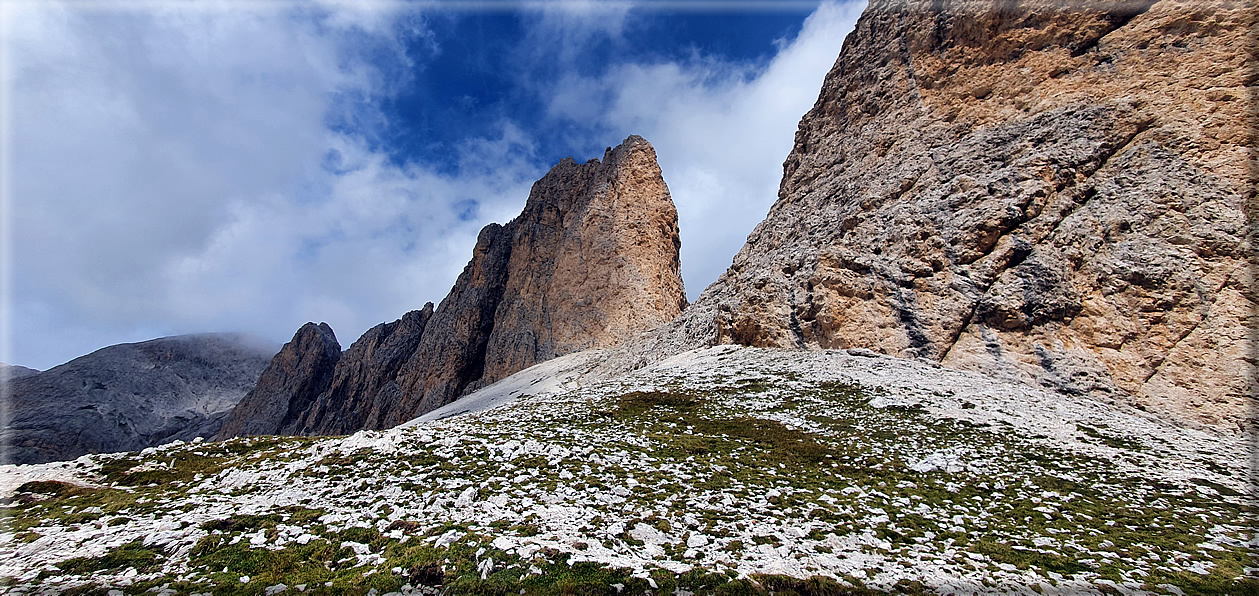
{"x": 739, "y": 471}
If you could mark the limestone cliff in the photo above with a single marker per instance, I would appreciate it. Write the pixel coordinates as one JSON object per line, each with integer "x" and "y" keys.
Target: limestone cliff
{"x": 1055, "y": 192}
{"x": 591, "y": 261}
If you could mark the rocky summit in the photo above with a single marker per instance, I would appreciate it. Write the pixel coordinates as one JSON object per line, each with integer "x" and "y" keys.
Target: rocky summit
{"x": 13, "y": 371}
{"x": 130, "y": 396}
{"x": 1056, "y": 192}
{"x": 591, "y": 261}
{"x": 303, "y": 367}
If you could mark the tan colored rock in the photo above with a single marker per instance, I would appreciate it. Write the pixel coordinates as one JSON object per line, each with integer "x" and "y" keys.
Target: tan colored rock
{"x": 591, "y": 261}
{"x": 1057, "y": 193}
{"x": 594, "y": 261}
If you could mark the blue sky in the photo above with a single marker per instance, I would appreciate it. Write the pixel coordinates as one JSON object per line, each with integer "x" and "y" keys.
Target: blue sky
{"x": 250, "y": 166}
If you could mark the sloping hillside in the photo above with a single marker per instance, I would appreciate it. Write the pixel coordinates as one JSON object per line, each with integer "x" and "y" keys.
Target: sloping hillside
{"x": 726, "y": 470}
{"x": 131, "y": 396}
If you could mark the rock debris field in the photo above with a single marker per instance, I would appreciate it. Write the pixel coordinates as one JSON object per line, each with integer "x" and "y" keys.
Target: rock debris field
{"x": 724, "y": 470}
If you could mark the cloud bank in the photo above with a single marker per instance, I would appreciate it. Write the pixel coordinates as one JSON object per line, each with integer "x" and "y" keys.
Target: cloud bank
{"x": 178, "y": 170}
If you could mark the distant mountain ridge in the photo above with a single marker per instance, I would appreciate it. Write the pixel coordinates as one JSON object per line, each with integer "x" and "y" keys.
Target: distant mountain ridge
{"x": 590, "y": 262}
{"x": 128, "y": 397}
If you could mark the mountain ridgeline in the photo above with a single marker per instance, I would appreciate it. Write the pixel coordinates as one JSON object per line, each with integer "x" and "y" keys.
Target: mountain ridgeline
{"x": 1058, "y": 193}
{"x": 590, "y": 262}
{"x": 129, "y": 397}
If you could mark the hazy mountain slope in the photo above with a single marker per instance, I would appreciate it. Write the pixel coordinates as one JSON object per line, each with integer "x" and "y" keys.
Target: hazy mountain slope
{"x": 765, "y": 465}
{"x": 13, "y": 371}
{"x": 591, "y": 261}
{"x": 131, "y": 396}
{"x": 1053, "y": 192}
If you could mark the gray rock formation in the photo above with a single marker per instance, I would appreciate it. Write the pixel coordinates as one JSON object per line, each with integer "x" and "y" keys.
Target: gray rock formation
{"x": 591, "y": 261}
{"x": 365, "y": 380}
{"x": 131, "y": 396}
{"x": 1052, "y": 192}
{"x": 13, "y": 371}
{"x": 302, "y": 368}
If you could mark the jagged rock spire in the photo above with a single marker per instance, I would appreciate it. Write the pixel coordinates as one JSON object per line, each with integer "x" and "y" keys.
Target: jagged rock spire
{"x": 591, "y": 261}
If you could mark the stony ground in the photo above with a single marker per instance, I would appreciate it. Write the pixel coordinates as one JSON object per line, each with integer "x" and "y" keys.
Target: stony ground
{"x": 726, "y": 470}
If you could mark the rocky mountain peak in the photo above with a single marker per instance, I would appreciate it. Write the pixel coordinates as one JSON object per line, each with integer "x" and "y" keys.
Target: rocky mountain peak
{"x": 300, "y": 370}
{"x": 13, "y": 371}
{"x": 591, "y": 261}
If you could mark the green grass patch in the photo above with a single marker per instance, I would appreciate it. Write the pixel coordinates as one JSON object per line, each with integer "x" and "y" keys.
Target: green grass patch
{"x": 50, "y": 488}
{"x": 634, "y": 405}
{"x": 133, "y": 554}
{"x": 1110, "y": 440}
{"x": 1003, "y": 553}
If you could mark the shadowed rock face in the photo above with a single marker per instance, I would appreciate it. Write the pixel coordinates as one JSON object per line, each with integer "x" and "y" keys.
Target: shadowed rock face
{"x": 591, "y": 261}
{"x": 1052, "y": 192}
{"x": 131, "y": 396}
{"x": 302, "y": 369}
{"x": 366, "y": 378}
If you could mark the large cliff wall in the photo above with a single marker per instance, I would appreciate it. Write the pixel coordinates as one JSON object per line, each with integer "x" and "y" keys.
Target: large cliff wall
{"x": 591, "y": 261}
{"x": 1057, "y": 192}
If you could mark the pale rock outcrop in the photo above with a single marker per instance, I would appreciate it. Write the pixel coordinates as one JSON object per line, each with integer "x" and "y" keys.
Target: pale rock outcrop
{"x": 1060, "y": 193}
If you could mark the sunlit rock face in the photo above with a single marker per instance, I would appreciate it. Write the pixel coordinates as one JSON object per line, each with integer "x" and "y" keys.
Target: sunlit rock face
{"x": 591, "y": 261}
{"x": 1058, "y": 193}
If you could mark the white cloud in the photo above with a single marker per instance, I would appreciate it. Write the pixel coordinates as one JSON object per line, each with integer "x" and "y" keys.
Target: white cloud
{"x": 217, "y": 169}
{"x": 175, "y": 171}
{"x": 566, "y": 28}
{"x": 721, "y": 130}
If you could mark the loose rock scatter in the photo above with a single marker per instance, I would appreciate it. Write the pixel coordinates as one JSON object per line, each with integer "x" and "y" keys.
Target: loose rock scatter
{"x": 715, "y": 471}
